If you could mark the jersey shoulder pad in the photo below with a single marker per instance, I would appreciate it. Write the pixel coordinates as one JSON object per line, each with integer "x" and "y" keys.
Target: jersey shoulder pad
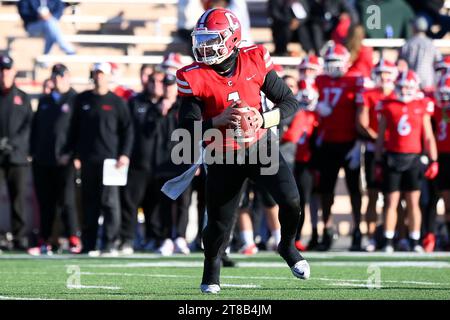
{"x": 260, "y": 55}
{"x": 185, "y": 77}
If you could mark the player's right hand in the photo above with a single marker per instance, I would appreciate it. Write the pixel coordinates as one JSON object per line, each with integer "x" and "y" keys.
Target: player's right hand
{"x": 229, "y": 117}
{"x": 324, "y": 109}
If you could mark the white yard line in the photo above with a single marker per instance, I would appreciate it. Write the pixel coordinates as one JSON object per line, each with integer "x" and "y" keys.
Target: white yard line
{"x": 81, "y": 286}
{"x": 24, "y": 298}
{"x": 198, "y": 264}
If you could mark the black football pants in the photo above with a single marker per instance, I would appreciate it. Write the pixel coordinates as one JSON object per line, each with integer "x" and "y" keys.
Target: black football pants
{"x": 223, "y": 191}
{"x": 98, "y": 200}
{"x": 55, "y": 190}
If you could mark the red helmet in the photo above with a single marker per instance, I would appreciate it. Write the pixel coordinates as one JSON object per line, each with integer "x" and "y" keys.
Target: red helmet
{"x": 336, "y": 59}
{"x": 311, "y": 62}
{"x": 443, "y": 88}
{"x": 172, "y": 60}
{"x": 407, "y": 86}
{"x": 216, "y": 35}
{"x": 442, "y": 66}
{"x": 385, "y": 66}
{"x": 307, "y": 95}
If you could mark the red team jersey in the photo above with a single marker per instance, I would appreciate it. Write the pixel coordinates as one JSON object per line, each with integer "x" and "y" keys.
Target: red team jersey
{"x": 371, "y": 98}
{"x": 218, "y": 93}
{"x": 404, "y": 124}
{"x": 343, "y": 95}
{"x": 300, "y": 132}
{"x": 442, "y": 120}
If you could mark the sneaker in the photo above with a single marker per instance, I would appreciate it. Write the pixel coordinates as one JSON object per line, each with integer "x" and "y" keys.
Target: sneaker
{"x": 388, "y": 249}
{"x": 356, "y": 240}
{"x": 313, "y": 242}
{"x": 181, "y": 246}
{"x": 44, "y": 249}
{"x": 429, "y": 242}
{"x": 249, "y": 250}
{"x": 371, "y": 246}
{"x": 299, "y": 245}
{"x": 166, "y": 249}
{"x": 109, "y": 253}
{"x": 327, "y": 240}
{"x": 74, "y": 244}
{"x": 301, "y": 270}
{"x": 210, "y": 288}
{"x": 126, "y": 249}
{"x": 403, "y": 245}
{"x": 418, "y": 249}
{"x": 227, "y": 262}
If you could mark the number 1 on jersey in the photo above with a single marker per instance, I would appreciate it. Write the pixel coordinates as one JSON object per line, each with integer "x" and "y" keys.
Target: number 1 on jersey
{"x": 233, "y": 96}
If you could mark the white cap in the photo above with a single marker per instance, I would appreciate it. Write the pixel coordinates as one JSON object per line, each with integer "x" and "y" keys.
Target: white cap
{"x": 104, "y": 67}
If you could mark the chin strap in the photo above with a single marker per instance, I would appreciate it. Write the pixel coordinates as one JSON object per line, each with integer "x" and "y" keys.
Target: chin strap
{"x": 271, "y": 118}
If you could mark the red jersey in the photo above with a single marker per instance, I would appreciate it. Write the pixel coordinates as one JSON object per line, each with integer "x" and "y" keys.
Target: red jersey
{"x": 343, "y": 95}
{"x": 218, "y": 92}
{"x": 404, "y": 124}
{"x": 300, "y": 132}
{"x": 371, "y": 98}
{"x": 442, "y": 119}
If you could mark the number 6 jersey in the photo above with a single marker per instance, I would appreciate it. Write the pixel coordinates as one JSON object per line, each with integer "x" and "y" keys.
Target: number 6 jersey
{"x": 404, "y": 124}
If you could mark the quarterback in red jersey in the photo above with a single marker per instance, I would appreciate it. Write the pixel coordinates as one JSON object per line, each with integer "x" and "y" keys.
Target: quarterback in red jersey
{"x": 442, "y": 120}
{"x": 385, "y": 73}
{"x": 339, "y": 97}
{"x": 405, "y": 120}
{"x": 223, "y": 75}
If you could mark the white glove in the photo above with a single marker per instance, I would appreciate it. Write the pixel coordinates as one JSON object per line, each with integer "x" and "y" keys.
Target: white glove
{"x": 324, "y": 109}
{"x": 354, "y": 156}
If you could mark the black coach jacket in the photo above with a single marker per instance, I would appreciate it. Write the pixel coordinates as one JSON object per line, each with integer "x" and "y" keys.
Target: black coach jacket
{"x": 15, "y": 124}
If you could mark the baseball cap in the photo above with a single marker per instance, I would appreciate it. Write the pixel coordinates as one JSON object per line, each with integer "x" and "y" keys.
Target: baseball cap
{"x": 59, "y": 70}
{"x": 104, "y": 67}
{"x": 6, "y": 62}
{"x": 421, "y": 24}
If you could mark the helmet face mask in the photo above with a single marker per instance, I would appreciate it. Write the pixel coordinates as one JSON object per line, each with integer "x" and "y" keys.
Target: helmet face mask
{"x": 216, "y": 35}
{"x": 407, "y": 86}
{"x": 335, "y": 68}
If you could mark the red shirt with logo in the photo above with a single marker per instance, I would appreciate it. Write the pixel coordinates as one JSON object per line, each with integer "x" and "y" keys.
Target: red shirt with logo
{"x": 343, "y": 95}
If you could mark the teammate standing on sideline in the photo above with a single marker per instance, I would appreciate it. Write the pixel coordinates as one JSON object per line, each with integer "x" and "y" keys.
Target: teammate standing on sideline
{"x": 224, "y": 76}
{"x": 54, "y": 183}
{"x": 15, "y": 124}
{"x": 339, "y": 97}
{"x": 367, "y": 125}
{"x": 405, "y": 121}
{"x": 101, "y": 128}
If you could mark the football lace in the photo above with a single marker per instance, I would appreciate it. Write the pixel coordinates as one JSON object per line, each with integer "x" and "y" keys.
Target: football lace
{"x": 238, "y": 129}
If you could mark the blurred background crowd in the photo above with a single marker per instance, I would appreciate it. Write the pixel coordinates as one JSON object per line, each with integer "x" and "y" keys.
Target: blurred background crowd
{"x": 84, "y": 81}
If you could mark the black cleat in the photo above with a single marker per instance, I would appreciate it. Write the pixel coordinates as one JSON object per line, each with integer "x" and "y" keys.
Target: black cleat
{"x": 227, "y": 262}
{"x": 327, "y": 240}
{"x": 356, "y": 240}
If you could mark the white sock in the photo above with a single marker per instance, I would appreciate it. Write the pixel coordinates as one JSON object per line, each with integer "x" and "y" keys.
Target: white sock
{"x": 389, "y": 234}
{"x": 247, "y": 237}
{"x": 415, "y": 235}
{"x": 276, "y": 234}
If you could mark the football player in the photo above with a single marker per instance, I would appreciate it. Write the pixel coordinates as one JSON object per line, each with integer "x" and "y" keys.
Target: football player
{"x": 385, "y": 73}
{"x": 404, "y": 124}
{"x": 302, "y": 132}
{"x": 442, "y": 120}
{"x": 222, "y": 78}
{"x": 338, "y": 101}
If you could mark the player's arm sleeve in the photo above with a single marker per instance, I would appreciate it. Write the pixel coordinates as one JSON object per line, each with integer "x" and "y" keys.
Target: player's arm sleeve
{"x": 279, "y": 93}
{"x": 191, "y": 113}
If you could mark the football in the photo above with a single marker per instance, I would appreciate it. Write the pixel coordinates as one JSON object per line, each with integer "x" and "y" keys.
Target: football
{"x": 249, "y": 123}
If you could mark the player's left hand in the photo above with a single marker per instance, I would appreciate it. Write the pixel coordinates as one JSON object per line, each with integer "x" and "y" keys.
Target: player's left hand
{"x": 122, "y": 161}
{"x": 432, "y": 170}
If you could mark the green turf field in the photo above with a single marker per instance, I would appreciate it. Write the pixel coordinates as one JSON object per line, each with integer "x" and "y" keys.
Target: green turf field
{"x": 264, "y": 276}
